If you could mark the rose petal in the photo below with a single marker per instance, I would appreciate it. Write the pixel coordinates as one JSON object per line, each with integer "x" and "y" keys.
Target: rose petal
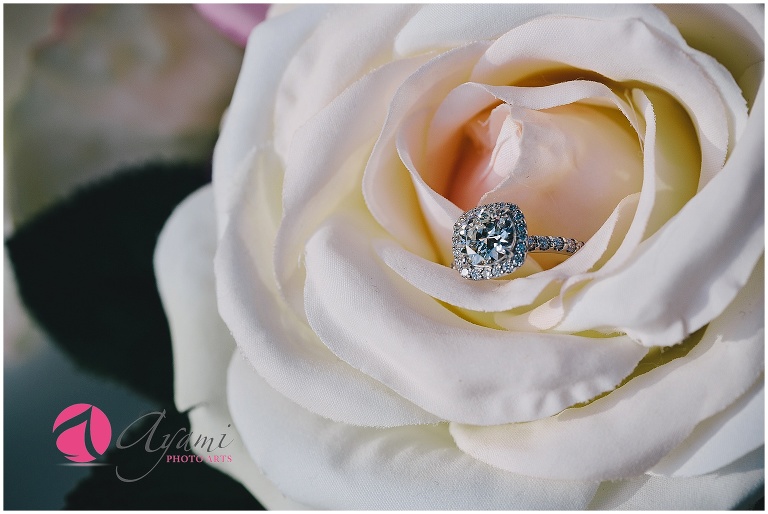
{"x": 446, "y": 285}
{"x": 446, "y": 365}
{"x": 468, "y": 100}
{"x": 447, "y": 26}
{"x": 184, "y": 270}
{"x": 315, "y": 74}
{"x": 713, "y": 100}
{"x": 719, "y": 440}
{"x": 234, "y": 20}
{"x": 387, "y": 186}
{"x": 327, "y": 465}
{"x": 274, "y": 339}
{"x": 669, "y": 171}
{"x": 323, "y": 169}
{"x": 737, "y": 486}
{"x": 441, "y": 215}
{"x": 247, "y": 127}
{"x": 631, "y": 429}
{"x": 213, "y": 417}
{"x": 718, "y": 252}
{"x": 732, "y": 34}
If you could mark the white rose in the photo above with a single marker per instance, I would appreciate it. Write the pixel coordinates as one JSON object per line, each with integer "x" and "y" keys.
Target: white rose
{"x": 362, "y": 372}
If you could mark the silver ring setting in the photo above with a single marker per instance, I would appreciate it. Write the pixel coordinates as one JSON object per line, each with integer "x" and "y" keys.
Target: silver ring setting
{"x": 492, "y": 240}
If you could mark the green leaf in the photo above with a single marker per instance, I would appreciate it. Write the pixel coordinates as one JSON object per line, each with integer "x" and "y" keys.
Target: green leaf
{"x": 84, "y": 270}
{"x": 178, "y": 486}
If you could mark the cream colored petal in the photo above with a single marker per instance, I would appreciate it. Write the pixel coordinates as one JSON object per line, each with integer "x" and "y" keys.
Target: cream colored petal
{"x": 721, "y": 439}
{"x": 631, "y": 429}
{"x": 247, "y": 126}
{"x": 327, "y": 465}
{"x": 721, "y": 234}
{"x": 324, "y": 168}
{"x": 274, "y": 338}
{"x": 450, "y": 367}
{"x": 710, "y": 96}
{"x": 202, "y": 345}
{"x": 738, "y": 486}
{"x": 443, "y": 26}
{"x": 332, "y": 58}
{"x": 387, "y": 185}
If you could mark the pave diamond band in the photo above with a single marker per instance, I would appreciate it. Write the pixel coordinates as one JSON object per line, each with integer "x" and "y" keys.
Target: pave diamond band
{"x": 492, "y": 240}
{"x": 554, "y": 244}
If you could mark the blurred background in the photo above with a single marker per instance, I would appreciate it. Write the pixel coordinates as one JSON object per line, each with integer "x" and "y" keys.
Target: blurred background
{"x": 90, "y": 92}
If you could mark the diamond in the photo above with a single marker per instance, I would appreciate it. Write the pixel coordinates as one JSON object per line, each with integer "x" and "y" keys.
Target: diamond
{"x": 490, "y": 241}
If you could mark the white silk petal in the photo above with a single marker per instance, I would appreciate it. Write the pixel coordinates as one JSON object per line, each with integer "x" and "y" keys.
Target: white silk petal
{"x": 445, "y": 284}
{"x": 213, "y": 417}
{"x": 721, "y": 439}
{"x": 732, "y": 34}
{"x": 448, "y": 366}
{"x": 184, "y": 270}
{"x": 720, "y": 255}
{"x": 247, "y": 125}
{"x": 446, "y": 26}
{"x": 631, "y": 429}
{"x": 737, "y": 486}
{"x": 712, "y": 99}
{"x": 202, "y": 346}
{"x": 387, "y": 186}
{"x": 316, "y": 74}
{"x": 327, "y": 465}
{"x": 323, "y": 168}
{"x": 276, "y": 341}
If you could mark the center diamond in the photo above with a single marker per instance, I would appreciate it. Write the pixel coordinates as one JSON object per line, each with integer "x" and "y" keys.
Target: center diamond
{"x": 489, "y": 241}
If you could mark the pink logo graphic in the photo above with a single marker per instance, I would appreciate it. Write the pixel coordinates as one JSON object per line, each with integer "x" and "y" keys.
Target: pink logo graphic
{"x": 85, "y": 432}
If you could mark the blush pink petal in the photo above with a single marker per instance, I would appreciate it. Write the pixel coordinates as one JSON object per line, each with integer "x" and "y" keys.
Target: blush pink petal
{"x": 386, "y": 180}
{"x": 714, "y": 100}
{"x": 234, "y": 20}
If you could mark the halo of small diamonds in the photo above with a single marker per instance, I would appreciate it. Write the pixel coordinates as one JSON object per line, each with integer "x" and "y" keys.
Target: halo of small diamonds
{"x": 490, "y": 241}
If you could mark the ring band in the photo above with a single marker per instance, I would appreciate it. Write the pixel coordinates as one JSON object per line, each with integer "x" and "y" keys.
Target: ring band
{"x": 492, "y": 240}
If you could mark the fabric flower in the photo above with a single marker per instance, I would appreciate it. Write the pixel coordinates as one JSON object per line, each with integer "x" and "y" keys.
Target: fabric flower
{"x": 362, "y": 372}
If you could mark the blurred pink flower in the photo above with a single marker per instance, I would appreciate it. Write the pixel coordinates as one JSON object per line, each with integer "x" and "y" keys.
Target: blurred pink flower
{"x": 234, "y": 20}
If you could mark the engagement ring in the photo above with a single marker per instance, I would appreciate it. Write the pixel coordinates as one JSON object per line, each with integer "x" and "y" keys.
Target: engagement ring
{"x": 492, "y": 240}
